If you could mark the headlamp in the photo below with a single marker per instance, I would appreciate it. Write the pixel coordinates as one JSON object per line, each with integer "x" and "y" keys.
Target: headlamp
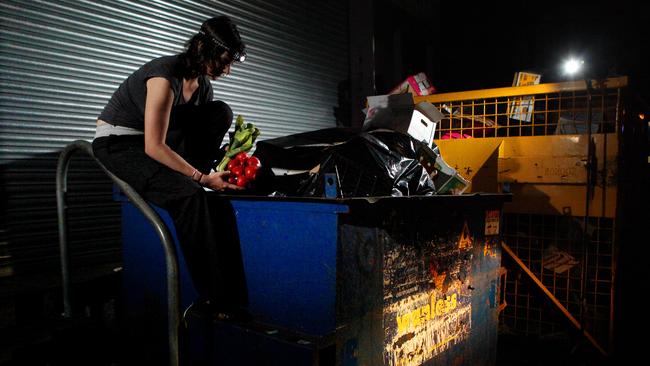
{"x": 236, "y": 55}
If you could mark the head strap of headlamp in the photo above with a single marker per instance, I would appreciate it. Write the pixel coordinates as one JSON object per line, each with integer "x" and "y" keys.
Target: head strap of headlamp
{"x": 236, "y": 55}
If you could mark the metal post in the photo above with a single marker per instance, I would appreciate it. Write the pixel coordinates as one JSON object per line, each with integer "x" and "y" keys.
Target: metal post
{"x": 588, "y": 196}
{"x": 171, "y": 257}
{"x": 61, "y": 207}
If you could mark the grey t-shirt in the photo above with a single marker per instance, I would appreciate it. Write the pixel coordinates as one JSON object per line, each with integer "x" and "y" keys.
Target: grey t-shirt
{"x": 126, "y": 106}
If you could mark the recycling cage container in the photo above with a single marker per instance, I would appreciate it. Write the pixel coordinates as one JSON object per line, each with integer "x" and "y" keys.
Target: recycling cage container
{"x": 359, "y": 281}
{"x": 571, "y": 153}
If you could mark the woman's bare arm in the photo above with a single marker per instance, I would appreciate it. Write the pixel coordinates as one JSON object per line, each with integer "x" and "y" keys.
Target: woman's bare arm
{"x": 157, "y": 112}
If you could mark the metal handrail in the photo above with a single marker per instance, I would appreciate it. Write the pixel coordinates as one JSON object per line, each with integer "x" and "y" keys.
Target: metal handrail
{"x": 171, "y": 257}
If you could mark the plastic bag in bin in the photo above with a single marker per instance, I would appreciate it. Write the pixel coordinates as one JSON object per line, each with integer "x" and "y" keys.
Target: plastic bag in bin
{"x": 302, "y": 151}
{"x": 377, "y": 163}
{"x": 290, "y": 161}
{"x": 352, "y": 179}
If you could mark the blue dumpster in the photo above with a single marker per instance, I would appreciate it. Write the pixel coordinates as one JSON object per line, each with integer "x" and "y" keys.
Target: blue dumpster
{"x": 359, "y": 281}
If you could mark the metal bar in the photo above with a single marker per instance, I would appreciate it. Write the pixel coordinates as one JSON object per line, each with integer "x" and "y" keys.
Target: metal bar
{"x": 473, "y": 124}
{"x": 553, "y": 299}
{"x": 518, "y": 217}
{"x": 61, "y": 208}
{"x": 507, "y": 116}
{"x": 612, "y": 289}
{"x": 600, "y": 249}
{"x": 546, "y": 114}
{"x": 171, "y": 257}
{"x": 614, "y": 237}
{"x": 588, "y": 195}
{"x": 462, "y": 120}
{"x": 512, "y": 91}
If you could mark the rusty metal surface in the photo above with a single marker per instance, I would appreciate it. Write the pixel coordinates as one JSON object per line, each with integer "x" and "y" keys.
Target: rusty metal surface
{"x": 427, "y": 298}
{"x": 426, "y": 292}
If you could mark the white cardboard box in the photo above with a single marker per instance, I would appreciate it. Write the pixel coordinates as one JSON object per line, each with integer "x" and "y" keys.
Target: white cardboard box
{"x": 398, "y": 113}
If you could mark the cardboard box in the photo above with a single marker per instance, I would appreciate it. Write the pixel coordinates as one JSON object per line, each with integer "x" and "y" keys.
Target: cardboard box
{"x": 418, "y": 84}
{"x": 398, "y": 113}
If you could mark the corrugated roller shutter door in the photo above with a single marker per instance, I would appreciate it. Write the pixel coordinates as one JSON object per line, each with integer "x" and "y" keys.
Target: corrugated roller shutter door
{"x": 61, "y": 60}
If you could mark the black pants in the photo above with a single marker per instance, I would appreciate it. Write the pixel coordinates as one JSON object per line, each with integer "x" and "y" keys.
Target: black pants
{"x": 205, "y": 225}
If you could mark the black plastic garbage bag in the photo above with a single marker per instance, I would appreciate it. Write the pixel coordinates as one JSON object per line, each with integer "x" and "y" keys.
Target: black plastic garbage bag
{"x": 377, "y": 163}
{"x": 400, "y": 155}
{"x": 287, "y": 161}
{"x": 301, "y": 151}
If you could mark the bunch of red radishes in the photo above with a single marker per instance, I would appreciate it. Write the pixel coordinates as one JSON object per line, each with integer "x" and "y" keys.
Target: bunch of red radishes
{"x": 243, "y": 169}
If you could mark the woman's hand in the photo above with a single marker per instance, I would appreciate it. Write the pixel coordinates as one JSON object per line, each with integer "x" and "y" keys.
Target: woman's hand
{"x": 218, "y": 181}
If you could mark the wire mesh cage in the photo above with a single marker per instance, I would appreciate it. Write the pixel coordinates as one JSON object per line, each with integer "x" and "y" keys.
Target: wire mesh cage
{"x": 578, "y": 273}
{"x": 557, "y": 112}
{"x": 573, "y": 255}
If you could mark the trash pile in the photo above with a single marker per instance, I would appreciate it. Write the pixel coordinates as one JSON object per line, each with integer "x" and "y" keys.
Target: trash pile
{"x": 376, "y": 163}
{"x": 393, "y": 154}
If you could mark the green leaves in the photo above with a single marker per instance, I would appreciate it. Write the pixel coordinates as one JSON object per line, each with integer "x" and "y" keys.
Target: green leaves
{"x": 242, "y": 140}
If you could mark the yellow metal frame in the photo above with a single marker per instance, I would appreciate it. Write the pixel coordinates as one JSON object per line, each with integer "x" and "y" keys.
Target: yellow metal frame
{"x": 542, "y": 157}
{"x": 518, "y": 91}
{"x": 547, "y": 172}
{"x": 535, "y": 110}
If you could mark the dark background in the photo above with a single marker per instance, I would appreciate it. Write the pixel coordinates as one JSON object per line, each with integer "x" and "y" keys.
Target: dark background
{"x": 480, "y": 45}
{"x": 467, "y": 45}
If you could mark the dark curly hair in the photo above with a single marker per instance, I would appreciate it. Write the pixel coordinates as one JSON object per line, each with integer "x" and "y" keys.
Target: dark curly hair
{"x": 201, "y": 49}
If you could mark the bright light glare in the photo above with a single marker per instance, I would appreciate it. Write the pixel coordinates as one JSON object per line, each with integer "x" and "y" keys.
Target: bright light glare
{"x": 572, "y": 66}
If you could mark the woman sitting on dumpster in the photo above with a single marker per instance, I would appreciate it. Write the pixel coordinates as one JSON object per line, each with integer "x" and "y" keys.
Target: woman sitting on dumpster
{"x": 160, "y": 132}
